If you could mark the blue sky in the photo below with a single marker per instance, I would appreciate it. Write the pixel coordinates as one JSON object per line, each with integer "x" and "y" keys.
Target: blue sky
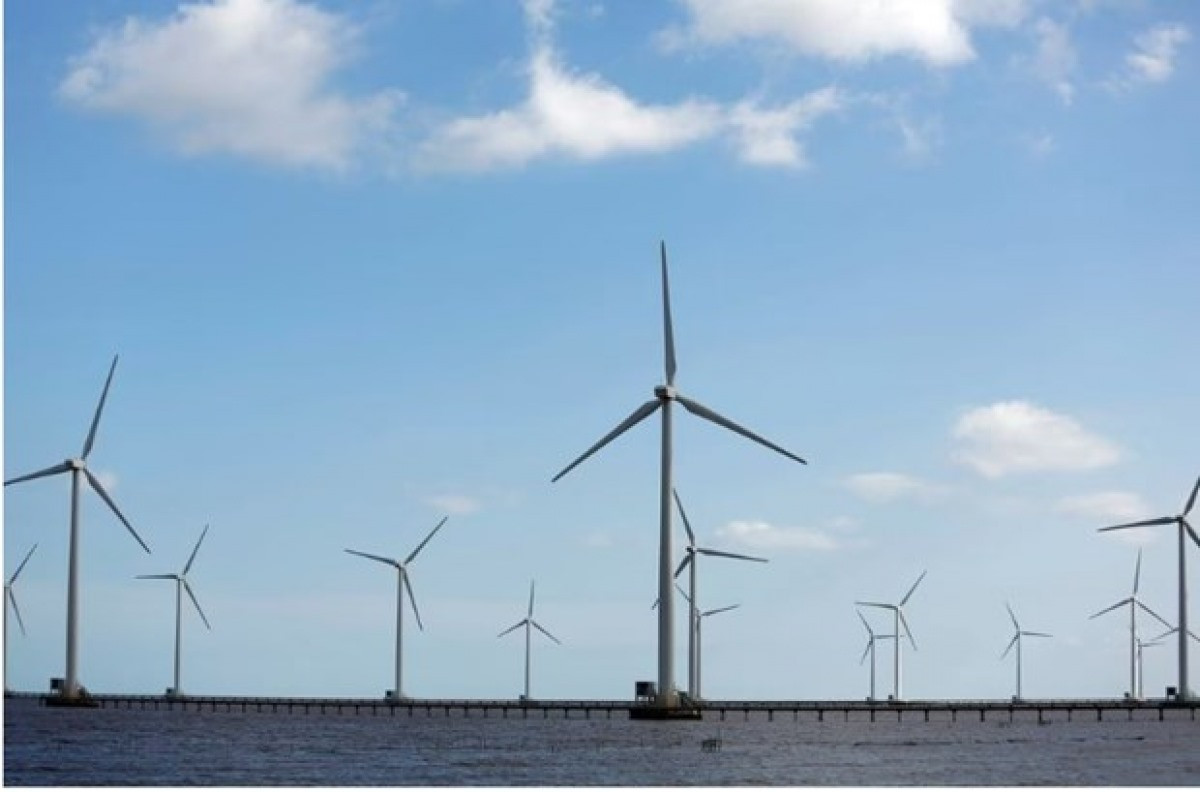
{"x": 369, "y": 264}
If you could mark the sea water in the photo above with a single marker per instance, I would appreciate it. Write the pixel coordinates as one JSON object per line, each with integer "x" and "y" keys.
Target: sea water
{"x": 72, "y": 747}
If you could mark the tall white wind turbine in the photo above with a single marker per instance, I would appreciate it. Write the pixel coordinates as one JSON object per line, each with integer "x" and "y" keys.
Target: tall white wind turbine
{"x": 402, "y": 584}
{"x": 182, "y": 585}
{"x": 872, "y": 639}
{"x": 690, "y": 563}
{"x": 78, "y": 468}
{"x": 529, "y": 623}
{"x": 1016, "y": 641}
{"x": 898, "y": 619}
{"x": 664, "y": 395}
{"x": 1180, "y": 520}
{"x": 11, "y": 599}
{"x": 1134, "y": 603}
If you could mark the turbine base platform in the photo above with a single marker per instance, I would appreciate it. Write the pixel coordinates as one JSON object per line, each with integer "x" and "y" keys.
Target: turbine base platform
{"x": 665, "y": 713}
{"x": 85, "y": 702}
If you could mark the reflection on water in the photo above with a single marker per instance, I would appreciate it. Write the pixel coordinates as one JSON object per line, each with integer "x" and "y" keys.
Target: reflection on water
{"x": 55, "y": 747}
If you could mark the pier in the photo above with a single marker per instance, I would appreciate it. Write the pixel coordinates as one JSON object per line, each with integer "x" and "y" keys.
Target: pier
{"x": 982, "y": 710}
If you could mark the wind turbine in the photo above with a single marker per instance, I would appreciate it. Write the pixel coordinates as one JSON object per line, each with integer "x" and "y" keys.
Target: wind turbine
{"x": 689, "y": 562}
{"x": 11, "y": 599}
{"x": 1140, "y": 676}
{"x": 664, "y": 395}
{"x": 700, "y": 617}
{"x": 527, "y": 623}
{"x": 1134, "y": 603}
{"x": 1016, "y": 640}
{"x": 1180, "y": 520}
{"x": 182, "y": 585}
{"x": 77, "y": 467}
{"x": 402, "y": 583}
{"x": 897, "y": 610}
{"x": 872, "y": 637}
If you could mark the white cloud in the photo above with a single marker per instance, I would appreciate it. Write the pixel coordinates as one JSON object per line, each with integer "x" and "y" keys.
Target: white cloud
{"x": 1040, "y": 145}
{"x": 1112, "y": 507}
{"x": 245, "y": 77}
{"x": 582, "y": 116}
{"x": 920, "y": 139}
{"x": 1055, "y": 60}
{"x": 934, "y": 31}
{"x": 1153, "y": 57}
{"x": 455, "y": 504}
{"x": 887, "y": 487}
{"x": 1019, "y": 437}
{"x": 758, "y": 535}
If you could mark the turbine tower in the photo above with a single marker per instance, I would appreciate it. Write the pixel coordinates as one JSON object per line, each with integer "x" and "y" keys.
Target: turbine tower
{"x": 77, "y": 467}
{"x": 1016, "y": 640}
{"x": 872, "y": 637}
{"x": 402, "y": 584}
{"x": 1180, "y": 520}
{"x": 11, "y": 599}
{"x": 1134, "y": 603}
{"x": 182, "y": 585}
{"x": 527, "y": 623}
{"x": 664, "y": 395}
{"x": 1141, "y": 678}
{"x": 689, "y": 562}
{"x": 898, "y": 619}
{"x": 699, "y": 646}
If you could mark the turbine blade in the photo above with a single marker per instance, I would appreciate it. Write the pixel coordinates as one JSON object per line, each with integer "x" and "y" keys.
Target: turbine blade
{"x": 510, "y": 629}
{"x": 192, "y": 596}
{"x": 1190, "y": 531}
{"x": 1125, "y": 601}
{"x": 866, "y": 650}
{"x": 1147, "y": 608}
{"x": 709, "y": 551}
{"x": 687, "y": 525}
{"x": 904, "y": 601}
{"x": 389, "y": 561}
{"x": 156, "y": 577}
{"x": 1137, "y": 572}
{"x": 1010, "y": 646}
{"x": 687, "y": 559}
{"x": 907, "y": 629}
{"x": 683, "y": 593}
{"x": 668, "y": 332}
{"x": 1171, "y": 631}
{"x": 50, "y": 471}
{"x": 545, "y": 632}
{"x": 1037, "y": 634}
{"x": 635, "y": 417}
{"x": 96, "y": 485}
{"x": 424, "y": 542}
{"x": 91, "y": 436}
{"x": 1012, "y": 616}
{"x": 699, "y": 409}
{"x": 531, "y": 599}
{"x": 412, "y": 599}
{"x": 12, "y": 598}
{"x": 719, "y": 610}
{"x": 21, "y": 566}
{"x": 1192, "y": 498}
{"x": 195, "y": 550}
{"x": 863, "y": 619}
{"x": 876, "y": 605}
{"x": 1139, "y": 524}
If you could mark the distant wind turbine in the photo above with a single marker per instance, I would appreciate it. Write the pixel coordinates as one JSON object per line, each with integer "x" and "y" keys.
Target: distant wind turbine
{"x": 182, "y": 585}
{"x": 528, "y": 623}
{"x": 872, "y": 638}
{"x": 1134, "y": 603}
{"x": 1141, "y": 678}
{"x": 401, "y": 585}
{"x": 1016, "y": 641}
{"x": 1180, "y": 520}
{"x": 11, "y": 599}
{"x": 664, "y": 395}
{"x": 898, "y": 619}
{"x": 78, "y": 467}
{"x": 689, "y": 562}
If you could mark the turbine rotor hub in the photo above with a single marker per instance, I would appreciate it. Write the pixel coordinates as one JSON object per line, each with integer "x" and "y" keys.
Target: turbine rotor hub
{"x": 77, "y": 464}
{"x": 665, "y": 392}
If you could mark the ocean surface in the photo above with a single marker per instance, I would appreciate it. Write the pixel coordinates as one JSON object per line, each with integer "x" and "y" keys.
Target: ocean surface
{"x": 62, "y": 747}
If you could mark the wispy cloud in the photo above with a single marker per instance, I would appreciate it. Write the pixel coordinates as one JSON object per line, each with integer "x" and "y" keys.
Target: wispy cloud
{"x": 889, "y": 487}
{"x": 455, "y": 504}
{"x": 758, "y": 535}
{"x": 244, "y": 77}
{"x": 1111, "y": 507}
{"x": 1019, "y": 437}
{"x": 1153, "y": 57}
{"x": 582, "y": 116}
{"x": 937, "y": 32}
{"x": 1055, "y": 60}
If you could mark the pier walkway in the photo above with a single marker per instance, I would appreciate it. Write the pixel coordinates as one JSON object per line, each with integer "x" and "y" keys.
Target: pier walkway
{"x": 1043, "y": 710}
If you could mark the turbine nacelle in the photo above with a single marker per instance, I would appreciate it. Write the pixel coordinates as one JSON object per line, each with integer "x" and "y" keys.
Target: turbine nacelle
{"x": 665, "y": 392}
